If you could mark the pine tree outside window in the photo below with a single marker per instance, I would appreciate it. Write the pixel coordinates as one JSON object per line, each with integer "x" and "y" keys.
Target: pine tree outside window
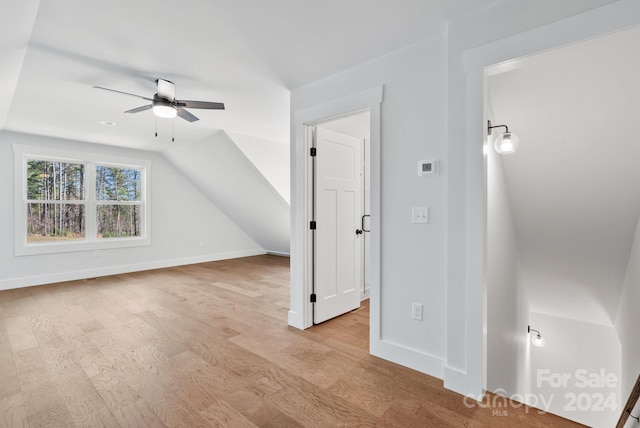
{"x": 118, "y": 195}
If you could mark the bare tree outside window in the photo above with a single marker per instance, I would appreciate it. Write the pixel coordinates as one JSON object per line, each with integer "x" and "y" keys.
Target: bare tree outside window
{"x": 55, "y": 201}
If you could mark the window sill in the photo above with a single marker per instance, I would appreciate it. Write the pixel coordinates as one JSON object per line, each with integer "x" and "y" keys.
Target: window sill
{"x": 74, "y": 246}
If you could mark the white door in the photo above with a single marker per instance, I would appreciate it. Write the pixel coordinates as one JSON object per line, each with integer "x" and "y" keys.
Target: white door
{"x": 338, "y": 211}
{"x": 366, "y": 223}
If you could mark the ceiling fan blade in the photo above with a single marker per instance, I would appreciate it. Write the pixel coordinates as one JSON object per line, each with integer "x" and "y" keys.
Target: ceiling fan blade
{"x": 200, "y": 104}
{"x": 186, "y": 115}
{"x": 125, "y": 93}
{"x": 139, "y": 109}
{"x": 166, "y": 89}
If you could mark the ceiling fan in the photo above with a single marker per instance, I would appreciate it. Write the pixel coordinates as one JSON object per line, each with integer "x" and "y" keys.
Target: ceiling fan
{"x": 164, "y": 104}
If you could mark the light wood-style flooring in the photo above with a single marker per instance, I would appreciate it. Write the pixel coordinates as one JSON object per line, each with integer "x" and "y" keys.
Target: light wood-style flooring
{"x": 208, "y": 345}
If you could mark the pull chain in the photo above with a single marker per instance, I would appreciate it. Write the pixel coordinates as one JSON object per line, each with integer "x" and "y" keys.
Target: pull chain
{"x": 156, "y": 126}
{"x": 173, "y": 129}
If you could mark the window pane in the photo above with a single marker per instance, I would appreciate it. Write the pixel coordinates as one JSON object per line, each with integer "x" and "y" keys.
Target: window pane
{"x": 54, "y": 222}
{"x": 117, "y": 184}
{"x": 118, "y": 221}
{"x": 55, "y": 181}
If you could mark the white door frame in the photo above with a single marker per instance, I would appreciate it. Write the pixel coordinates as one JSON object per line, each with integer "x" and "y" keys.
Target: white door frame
{"x": 302, "y": 122}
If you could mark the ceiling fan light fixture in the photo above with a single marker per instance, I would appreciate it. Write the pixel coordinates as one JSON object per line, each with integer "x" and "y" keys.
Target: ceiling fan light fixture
{"x": 164, "y": 110}
{"x": 164, "y": 105}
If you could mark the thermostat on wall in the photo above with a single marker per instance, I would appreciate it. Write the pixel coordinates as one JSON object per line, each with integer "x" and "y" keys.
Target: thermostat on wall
{"x": 429, "y": 167}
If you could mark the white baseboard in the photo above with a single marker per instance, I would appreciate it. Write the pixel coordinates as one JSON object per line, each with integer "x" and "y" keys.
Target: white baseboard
{"x": 456, "y": 381}
{"x": 364, "y": 295}
{"x": 29, "y": 281}
{"x": 295, "y": 320}
{"x": 278, "y": 253}
{"x": 414, "y": 359}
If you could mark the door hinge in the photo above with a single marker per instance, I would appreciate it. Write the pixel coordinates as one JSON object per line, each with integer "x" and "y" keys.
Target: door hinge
{"x": 312, "y": 151}
{"x": 313, "y": 298}
{"x": 312, "y": 225}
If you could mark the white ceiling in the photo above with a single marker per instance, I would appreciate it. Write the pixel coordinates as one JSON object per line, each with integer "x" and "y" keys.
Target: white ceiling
{"x": 573, "y": 183}
{"x": 245, "y": 53}
{"x": 306, "y": 40}
{"x": 126, "y": 46}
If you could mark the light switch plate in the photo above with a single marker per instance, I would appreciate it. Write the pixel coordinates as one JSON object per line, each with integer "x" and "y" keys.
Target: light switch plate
{"x": 416, "y": 311}
{"x": 420, "y": 215}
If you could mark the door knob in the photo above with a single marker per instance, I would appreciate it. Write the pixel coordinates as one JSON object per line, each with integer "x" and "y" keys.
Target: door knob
{"x": 358, "y": 232}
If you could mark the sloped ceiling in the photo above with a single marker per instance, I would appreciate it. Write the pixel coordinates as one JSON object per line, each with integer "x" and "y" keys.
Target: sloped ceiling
{"x": 305, "y": 41}
{"x": 251, "y": 201}
{"x": 245, "y": 53}
{"x": 126, "y": 46}
{"x": 573, "y": 183}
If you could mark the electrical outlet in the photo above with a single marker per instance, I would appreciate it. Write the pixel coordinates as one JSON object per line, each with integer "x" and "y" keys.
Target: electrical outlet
{"x": 96, "y": 253}
{"x": 416, "y": 311}
{"x": 202, "y": 243}
{"x": 420, "y": 215}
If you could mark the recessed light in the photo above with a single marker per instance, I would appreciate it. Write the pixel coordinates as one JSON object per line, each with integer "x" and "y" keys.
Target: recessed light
{"x": 107, "y": 123}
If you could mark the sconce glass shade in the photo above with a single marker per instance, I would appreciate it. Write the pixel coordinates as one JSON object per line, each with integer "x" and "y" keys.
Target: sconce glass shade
{"x": 506, "y": 143}
{"x": 164, "y": 110}
{"x": 537, "y": 340}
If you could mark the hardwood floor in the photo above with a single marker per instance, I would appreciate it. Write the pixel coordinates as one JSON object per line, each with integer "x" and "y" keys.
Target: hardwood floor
{"x": 208, "y": 345}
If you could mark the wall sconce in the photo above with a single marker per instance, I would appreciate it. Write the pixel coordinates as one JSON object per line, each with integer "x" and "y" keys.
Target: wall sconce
{"x": 537, "y": 340}
{"x": 505, "y": 143}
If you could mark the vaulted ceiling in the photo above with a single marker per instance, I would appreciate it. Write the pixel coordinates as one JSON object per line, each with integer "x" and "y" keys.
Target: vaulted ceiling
{"x": 247, "y": 54}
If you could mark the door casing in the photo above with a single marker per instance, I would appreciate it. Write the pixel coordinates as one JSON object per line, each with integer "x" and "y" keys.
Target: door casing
{"x": 302, "y": 124}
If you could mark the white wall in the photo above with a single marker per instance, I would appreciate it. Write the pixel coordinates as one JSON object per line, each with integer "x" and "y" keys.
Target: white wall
{"x": 271, "y": 158}
{"x": 15, "y": 32}
{"x": 595, "y": 402}
{"x": 506, "y": 325}
{"x": 223, "y": 173}
{"x": 356, "y": 125}
{"x": 185, "y": 226}
{"x": 413, "y": 262}
{"x": 628, "y": 321}
{"x": 433, "y": 108}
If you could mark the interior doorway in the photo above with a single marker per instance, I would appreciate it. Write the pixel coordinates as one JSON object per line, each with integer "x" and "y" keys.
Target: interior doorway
{"x": 545, "y": 270}
{"x": 340, "y": 254}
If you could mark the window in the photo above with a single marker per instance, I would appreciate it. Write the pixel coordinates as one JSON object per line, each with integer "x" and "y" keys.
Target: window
{"x": 55, "y": 201}
{"x": 74, "y": 202}
{"x": 119, "y": 200}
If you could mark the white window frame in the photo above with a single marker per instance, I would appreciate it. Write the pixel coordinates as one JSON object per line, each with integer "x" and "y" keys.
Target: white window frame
{"x": 91, "y": 242}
